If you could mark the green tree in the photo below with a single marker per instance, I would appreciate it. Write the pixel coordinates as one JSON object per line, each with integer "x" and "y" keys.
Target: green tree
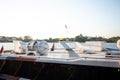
{"x": 27, "y": 38}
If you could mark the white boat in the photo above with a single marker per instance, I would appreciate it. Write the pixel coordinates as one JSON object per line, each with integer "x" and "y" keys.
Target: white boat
{"x": 67, "y": 64}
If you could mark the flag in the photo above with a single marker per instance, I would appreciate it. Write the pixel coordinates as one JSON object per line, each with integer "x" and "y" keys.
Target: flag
{"x": 65, "y": 26}
{"x": 1, "y": 50}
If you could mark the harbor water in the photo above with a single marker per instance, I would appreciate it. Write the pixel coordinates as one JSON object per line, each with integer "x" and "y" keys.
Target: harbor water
{"x": 10, "y": 46}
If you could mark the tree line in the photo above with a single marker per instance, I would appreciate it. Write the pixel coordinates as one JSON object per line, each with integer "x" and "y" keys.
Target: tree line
{"x": 79, "y": 38}
{"x": 10, "y": 39}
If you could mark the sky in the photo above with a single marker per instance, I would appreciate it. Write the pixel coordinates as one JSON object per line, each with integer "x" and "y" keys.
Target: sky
{"x": 43, "y": 19}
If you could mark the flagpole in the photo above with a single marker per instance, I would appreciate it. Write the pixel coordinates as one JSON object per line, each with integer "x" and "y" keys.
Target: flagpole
{"x": 66, "y": 32}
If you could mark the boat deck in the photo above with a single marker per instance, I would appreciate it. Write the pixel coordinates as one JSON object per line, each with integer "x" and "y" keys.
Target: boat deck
{"x": 64, "y": 58}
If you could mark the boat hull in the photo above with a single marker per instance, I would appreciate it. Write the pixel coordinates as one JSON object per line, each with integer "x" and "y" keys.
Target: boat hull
{"x": 56, "y": 71}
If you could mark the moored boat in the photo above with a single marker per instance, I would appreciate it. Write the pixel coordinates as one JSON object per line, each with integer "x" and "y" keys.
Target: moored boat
{"x": 76, "y": 65}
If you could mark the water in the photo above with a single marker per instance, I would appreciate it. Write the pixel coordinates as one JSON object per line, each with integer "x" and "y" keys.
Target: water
{"x": 7, "y": 46}
{"x": 111, "y": 45}
{"x": 10, "y": 46}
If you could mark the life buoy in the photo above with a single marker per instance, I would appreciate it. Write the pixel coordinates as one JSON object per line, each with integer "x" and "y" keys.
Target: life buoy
{"x": 118, "y": 43}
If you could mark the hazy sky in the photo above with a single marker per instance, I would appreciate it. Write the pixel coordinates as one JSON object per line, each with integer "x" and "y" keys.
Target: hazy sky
{"x": 47, "y": 18}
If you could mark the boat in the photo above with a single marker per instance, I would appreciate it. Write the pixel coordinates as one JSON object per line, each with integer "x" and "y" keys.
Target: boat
{"x": 35, "y": 61}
